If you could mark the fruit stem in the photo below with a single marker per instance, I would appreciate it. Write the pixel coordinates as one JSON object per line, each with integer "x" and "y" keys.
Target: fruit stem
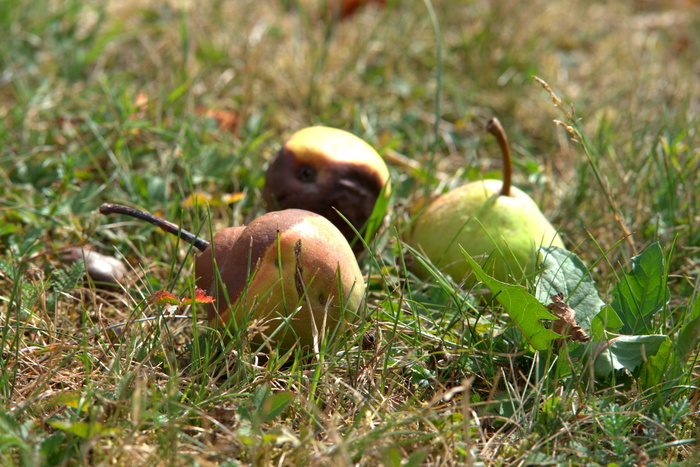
{"x": 496, "y": 129}
{"x": 168, "y": 226}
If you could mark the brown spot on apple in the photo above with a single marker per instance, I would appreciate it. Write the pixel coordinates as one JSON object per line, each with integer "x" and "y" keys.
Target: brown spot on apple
{"x": 326, "y": 171}
{"x": 285, "y": 264}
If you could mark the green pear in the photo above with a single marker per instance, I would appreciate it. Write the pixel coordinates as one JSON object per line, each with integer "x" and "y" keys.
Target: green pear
{"x": 497, "y": 224}
{"x": 286, "y": 266}
{"x": 327, "y": 170}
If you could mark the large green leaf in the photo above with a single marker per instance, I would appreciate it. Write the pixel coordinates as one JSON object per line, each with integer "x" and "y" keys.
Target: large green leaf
{"x": 642, "y": 292}
{"x": 525, "y": 310}
{"x": 626, "y": 352}
{"x": 565, "y": 273}
{"x": 606, "y": 320}
{"x": 663, "y": 368}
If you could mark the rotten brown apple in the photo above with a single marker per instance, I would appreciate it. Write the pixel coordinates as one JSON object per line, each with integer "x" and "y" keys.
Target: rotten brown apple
{"x": 327, "y": 170}
{"x": 291, "y": 270}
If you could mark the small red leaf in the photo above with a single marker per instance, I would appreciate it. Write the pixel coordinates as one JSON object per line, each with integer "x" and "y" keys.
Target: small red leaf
{"x": 227, "y": 120}
{"x": 163, "y": 297}
{"x": 199, "y": 297}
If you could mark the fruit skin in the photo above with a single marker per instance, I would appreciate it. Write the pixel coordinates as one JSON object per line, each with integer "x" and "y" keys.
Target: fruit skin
{"x": 315, "y": 258}
{"x": 322, "y": 169}
{"x": 485, "y": 223}
{"x": 106, "y": 272}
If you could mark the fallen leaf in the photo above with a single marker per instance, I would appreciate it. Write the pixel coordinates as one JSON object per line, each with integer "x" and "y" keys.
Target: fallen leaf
{"x": 163, "y": 297}
{"x": 200, "y": 198}
{"x": 227, "y": 120}
{"x": 141, "y": 104}
{"x": 197, "y": 198}
{"x": 230, "y": 198}
{"x": 199, "y": 297}
{"x": 566, "y": 324}
{"x": 343, "y": 9}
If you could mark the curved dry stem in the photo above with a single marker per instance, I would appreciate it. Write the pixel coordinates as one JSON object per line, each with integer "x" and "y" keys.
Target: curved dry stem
{"x": 496, "y": 129}
{"x": 167, "y": 226}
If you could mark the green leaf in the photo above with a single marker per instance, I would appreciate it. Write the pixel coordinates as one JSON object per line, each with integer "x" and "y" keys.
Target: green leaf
{"x": 416, "y": 459}
{"x": 524, "y": 308}
{"x": 278, "y": 404}
{"x": 71, "y": 399}
{"x": 663, "y": 368}
{"x": 260, "y": 396}
{"x": 178, "y": 92}
{"x": 606, "y": 320}
{"x": 444, "y": 284}
{"x": 642, "y": 292}
{"x": 626, "y": 352}
{"x": 264, "y": 406}
{"x": 81, "y": 429}
{"x": 565, "y": 273}
{"x": 378, "y": 213}
{"x": 688, "y": 335}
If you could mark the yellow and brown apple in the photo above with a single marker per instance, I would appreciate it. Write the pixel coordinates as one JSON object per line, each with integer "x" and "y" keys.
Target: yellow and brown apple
{"x": 289, "y": 266}
{"x": 327, "y": 170}
{"x": 293, "y": 271}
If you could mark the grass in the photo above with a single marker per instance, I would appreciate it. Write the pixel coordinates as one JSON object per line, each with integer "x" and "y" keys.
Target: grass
{"x": 106, "y": 102}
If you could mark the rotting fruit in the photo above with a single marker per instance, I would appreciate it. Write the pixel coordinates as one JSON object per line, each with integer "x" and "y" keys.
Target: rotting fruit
{"x": 290, "y": 263}
{"x": 495, "y": 223}
{"x": 290, "y": 266}
{"x": 327, "y": 170}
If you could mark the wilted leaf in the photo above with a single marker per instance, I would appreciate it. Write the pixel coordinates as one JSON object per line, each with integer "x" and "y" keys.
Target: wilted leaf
{"x": 565, "y": 273}
{"x": 566, "y": 324}
{"x": 282, "y": 435}
{"x": 203, "y": 199}
{"x": 197, "y": 198}
{"x": 226, "y": 120}
{"x": 81, "y": 429}
{"x": 105, "y": 271}
{"x": 141, "y": 104}
{"x": 70, "y": 399}
{"x": 343, "y": 9}
{"x": 230, "y": 198}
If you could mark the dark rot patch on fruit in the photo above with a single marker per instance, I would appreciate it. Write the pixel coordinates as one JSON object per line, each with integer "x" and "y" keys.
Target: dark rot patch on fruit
{"x": 326, "y": 188}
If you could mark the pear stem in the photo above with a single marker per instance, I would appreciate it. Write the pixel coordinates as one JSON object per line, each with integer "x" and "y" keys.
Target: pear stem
{"x": 168, "y": 226}
{"x": 496, "y": 129}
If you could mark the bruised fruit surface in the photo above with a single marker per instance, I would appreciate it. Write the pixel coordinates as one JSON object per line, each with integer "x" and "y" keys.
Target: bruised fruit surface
{"x": 322, "y": 169}
{"x": 282, "y": 262}
{"x": 220, "y": 246}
